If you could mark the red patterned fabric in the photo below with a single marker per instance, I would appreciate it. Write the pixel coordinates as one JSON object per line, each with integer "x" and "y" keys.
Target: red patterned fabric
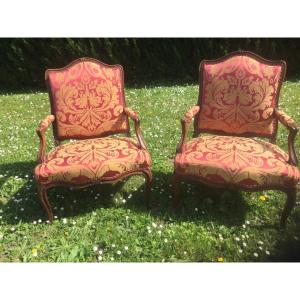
{"x": 131, "y": 113}
{"x": 87, "y": 99}
{"x": 236, "y": 161}
{"x": 87, "y": 161}
{"x": 286, "y": 120}
{"x": 239, "y": 95}
{"x": 46, "y": 122}
{"x": 191, "y": 113}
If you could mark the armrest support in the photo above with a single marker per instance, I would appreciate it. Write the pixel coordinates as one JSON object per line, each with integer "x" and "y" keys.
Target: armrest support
{"x": 134, "y": 116}
{"x": 291, "y": 125}
{"x": 185, "y": 122}
{"x": 41, "y": 133}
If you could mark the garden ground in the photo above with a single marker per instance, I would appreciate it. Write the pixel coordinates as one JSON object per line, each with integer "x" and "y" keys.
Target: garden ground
{"x": 108, "y": 223}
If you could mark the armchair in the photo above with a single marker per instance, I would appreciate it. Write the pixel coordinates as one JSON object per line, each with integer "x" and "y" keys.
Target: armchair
{"x": 88, "y": 105}
{"x": 238, "y": 99}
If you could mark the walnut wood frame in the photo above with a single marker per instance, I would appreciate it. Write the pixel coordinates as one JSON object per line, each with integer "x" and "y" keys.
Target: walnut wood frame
{"x": 146, "y": 172}
{"x": 291, "y": 191}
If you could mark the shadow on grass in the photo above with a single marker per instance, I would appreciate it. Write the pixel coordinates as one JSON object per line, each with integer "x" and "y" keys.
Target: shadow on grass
{"x": 288, "y": 250}
{"x": 201, "y": 203}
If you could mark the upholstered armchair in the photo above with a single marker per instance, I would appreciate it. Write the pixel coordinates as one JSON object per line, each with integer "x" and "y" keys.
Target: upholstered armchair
{"x": 88, "y": 106}
{"x": 238, "y": 110}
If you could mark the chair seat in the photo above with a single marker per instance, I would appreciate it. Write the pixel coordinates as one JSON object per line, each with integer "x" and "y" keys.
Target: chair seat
{"x": 87, "y": 161}
{"x": 236, "y": 162}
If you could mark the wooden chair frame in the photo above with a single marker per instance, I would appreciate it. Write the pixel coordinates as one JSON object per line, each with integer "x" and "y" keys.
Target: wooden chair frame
{"x": 194, "y": 113}
{"x": 129, "y": 113}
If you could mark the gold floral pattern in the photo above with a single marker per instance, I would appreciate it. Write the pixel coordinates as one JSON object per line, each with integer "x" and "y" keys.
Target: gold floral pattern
{"x": 239, "y": 96}
{"x": 286, "y": 120}
{"x": 92, "y": 160}
{"x": 236, "y": 161}
{"x": 88, "y": 100}
{"x": 131, "y": 113}
{"x": 46, "y": 122}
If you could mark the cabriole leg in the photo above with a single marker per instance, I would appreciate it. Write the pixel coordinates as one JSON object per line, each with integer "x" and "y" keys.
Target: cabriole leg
{"x": 289, "y": 204}
{"x": 42, "y": 192}
{"x": 148, "y": 184}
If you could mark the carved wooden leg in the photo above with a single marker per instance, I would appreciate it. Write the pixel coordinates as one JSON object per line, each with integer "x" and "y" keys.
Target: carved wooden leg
{"x": 176, "y": 185}
{"x": 289, "y": 204}
{"x": 148, "y": 178}
{"x": 44, "y": 199}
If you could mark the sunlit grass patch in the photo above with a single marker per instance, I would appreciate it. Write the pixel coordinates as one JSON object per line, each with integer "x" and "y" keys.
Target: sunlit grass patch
{"x": 109, "y": 223}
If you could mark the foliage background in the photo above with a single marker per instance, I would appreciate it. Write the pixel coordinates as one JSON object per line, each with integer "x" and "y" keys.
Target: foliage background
{"x": 23, "y": 60}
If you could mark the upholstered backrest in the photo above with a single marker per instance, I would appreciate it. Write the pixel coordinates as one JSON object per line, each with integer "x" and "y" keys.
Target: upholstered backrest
{"x": 87, "y": 99}
{"x": 238, "y": 94}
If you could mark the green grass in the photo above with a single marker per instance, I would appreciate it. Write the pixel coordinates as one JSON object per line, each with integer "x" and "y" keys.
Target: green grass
{"x": 214, "y": 224}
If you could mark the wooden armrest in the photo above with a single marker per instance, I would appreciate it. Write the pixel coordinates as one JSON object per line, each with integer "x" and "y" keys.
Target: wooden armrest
{"x": 291, "y": 125}
{"x": 41, "y": 133}
{"x": 185, "y": 122}
{"x": 191, "y": 113}
{"x": 134, "y": 116}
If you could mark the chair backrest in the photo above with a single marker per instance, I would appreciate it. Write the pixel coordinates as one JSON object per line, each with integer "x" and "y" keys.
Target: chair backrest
{"x": 87, "y": 99}
{"x": 238, "y": 94}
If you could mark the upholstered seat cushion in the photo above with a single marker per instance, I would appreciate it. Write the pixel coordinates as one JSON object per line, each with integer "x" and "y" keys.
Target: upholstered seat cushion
{"x": 237, "y": 162}
{"x": 88, "y": 161}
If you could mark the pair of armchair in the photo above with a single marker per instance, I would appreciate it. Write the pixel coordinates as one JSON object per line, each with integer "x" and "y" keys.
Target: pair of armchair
{"x": 238, "y": 99}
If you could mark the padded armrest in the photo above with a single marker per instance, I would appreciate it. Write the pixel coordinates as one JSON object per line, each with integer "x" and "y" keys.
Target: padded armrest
{"x": 131, "y": 113}
{"x": 185, "y": 122}
{"x": 191, "y": 113}
{"x": 41, "y": 133}
{"x": 291, "y": 125}
{"x": 45, "y": 123}
{"x": 134, "y": 116}
{"x": 285, "y": 119}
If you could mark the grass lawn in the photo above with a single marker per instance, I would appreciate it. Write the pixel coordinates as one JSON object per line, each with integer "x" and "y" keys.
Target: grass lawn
{"x": 110, "y": 222}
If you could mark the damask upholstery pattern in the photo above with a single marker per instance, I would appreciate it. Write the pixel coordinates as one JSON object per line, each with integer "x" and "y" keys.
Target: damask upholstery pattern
{"x": 286, "y": 120}
{"x": 46, "y": 122}
{"x": 87, "y": 100}
{"x": 88, "y": 161}
{"x": 191, "y": 113}
{"x": 236, "y": 162}
{"x": 131, "y": 113}
{"x": 239, "y": 95}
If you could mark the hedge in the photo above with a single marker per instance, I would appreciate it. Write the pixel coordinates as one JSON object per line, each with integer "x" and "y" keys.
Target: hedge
{"x": 23, "y": 60}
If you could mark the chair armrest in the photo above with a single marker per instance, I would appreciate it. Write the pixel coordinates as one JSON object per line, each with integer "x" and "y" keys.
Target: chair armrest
{"x": 41, "y": 133}
{"x": 185, "y": 122}
{"x": 134, "y": 116}
{"x": 291, "y": 125}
